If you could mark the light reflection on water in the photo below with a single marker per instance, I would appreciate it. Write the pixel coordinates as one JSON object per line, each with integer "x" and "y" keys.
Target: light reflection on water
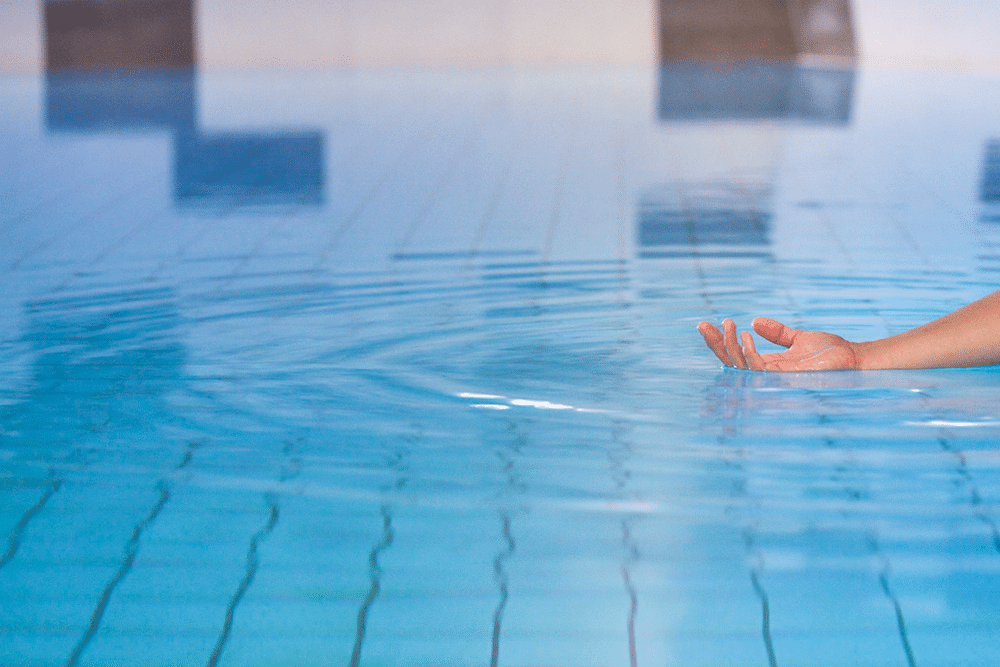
{"x": 424, "y": 443}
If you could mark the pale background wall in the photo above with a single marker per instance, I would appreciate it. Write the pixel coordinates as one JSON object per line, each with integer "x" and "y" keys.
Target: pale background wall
{"x": 963, "y": 34}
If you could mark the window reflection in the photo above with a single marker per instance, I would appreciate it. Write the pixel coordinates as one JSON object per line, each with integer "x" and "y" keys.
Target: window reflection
{"x": 989, "y": 184}
{"x": 756, "y": 90}
{"x": 117, "y": 101}
{"x": 94, "y": 346}
{"x": 989, "y": 214}
{"x": 733, "y": 73}
{"x": 117, "y": 66}
{"x": 723, "y": 219}
{"x": 230, "y": 170}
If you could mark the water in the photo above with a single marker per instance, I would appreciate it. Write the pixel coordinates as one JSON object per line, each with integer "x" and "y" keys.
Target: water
{"x": 399, "y": 367}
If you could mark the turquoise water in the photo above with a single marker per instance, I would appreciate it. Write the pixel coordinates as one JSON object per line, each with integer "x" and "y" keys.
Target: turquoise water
{"x": 400, "y": 368}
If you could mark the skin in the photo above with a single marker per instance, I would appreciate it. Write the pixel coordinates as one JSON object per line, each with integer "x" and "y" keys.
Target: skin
{"x": 969, "y": 336}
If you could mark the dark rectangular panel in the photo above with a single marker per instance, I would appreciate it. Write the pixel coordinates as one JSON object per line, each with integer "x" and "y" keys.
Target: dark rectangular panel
{"x": 237, "y": 170}
{"x": 119, "y": 34}
{"x": 725, "y": 30}
{"x": 740, "y": 30}
{"x": 989, "y": 185}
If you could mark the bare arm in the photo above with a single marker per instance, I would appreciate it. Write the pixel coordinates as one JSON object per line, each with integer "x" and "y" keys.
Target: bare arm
{"x": 970, "y": 336}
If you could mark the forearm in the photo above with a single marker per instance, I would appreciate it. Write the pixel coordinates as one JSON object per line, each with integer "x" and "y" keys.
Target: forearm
{"x": 970, "y": 336}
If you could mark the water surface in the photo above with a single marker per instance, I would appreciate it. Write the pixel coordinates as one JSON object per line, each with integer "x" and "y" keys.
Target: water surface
{"x": 399, "y": 367}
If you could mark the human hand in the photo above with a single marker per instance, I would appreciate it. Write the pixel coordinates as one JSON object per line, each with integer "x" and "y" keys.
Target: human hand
{"x": 807, "y": 350}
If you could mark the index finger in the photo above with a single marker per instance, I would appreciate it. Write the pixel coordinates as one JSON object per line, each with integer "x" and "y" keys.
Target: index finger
{"x": 732, "y": 342}
{"x": 715, "y": 341}
{"x": 754, "y": 360}
{"x": 774, "y": 331}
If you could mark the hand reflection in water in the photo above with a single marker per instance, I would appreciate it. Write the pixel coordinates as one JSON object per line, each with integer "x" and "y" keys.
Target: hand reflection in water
{"x": 970, "y": 336}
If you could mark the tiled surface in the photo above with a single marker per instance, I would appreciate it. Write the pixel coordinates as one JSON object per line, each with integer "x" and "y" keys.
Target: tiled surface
{"x": 450, "y": 408}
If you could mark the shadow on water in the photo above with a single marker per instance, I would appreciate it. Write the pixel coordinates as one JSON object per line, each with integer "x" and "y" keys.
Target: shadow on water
{"x": 719, "y": 220}
{"x": 220, "y": 170}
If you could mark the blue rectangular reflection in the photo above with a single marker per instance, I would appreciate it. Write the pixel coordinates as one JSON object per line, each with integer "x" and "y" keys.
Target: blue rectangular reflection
{"x": 756, "y": 90}
{"x": 115, "y": 101}
{"x": 256, "y": 169}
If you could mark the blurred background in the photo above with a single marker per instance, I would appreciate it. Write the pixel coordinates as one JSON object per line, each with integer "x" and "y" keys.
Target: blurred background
{"x": 951, "y": 34}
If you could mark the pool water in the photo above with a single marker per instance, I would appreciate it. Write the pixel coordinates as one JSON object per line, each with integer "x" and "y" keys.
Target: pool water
{"x": 399, "y": 367}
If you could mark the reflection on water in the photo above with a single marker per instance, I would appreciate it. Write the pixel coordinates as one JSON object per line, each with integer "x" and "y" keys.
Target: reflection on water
{"x": 248, "y": 170}
{"x": 515, "y": 444}
{"x": 128, "y": 65}
{"x": 721, "y": 207}
{"x": 212, "y": 171}
{"x": 814, "y": 440}
{"x": 755, "y": 90}
{"x": 119, "y": 101}
{"x": 433, "y": 420}
{"x": 989, "y": 213}
{"x": 757, "y": 402}
{"x": 726, "y": 219}
{"x": 989, "y": 183}
{"x": 102, "y": 367}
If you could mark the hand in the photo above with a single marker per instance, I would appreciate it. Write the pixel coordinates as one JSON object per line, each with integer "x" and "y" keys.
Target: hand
{"x": 807, "y": 350}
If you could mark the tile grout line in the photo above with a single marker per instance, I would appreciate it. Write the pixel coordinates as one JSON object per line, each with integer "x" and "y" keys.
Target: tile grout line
{"x": 375, "y": 190}
{"x": 883, "y": 579}
{"x": 248, "y": 577}
{"x": 123, "y": 570}
{"x": 555, "y": 215}
{"x": 82, "y": 221}
{"x": 375, "y": 571}
{"x": 14, "y": 537}
{"x": 501, "y": 185}
{"x": 466, "y": 147}
{"x": 133, "y": 548}
{"x": 633, "y": 556}
{"x": 502, "y": 582}
{"x": 375, "y": 577}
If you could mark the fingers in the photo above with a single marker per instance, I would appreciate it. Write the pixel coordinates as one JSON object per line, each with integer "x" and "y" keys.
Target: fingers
{"x": 754, "y": 360}
{"x": 733, "y": 344}
{"x": 715, "y": 341}
{"x": 774, "y": 331}
{"x": 733, "y": 349}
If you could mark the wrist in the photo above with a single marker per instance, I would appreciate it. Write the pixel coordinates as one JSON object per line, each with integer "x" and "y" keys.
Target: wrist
{"x": 866, "y": 356}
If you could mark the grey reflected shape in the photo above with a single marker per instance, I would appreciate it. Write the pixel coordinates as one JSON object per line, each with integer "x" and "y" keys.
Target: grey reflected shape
{"x": 755, "y": 90}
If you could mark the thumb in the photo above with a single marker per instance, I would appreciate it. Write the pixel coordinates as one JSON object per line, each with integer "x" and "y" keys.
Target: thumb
{"x": 774, "y": 331}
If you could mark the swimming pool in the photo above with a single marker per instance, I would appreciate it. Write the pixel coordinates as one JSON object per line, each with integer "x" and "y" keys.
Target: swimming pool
{"x": 399, "y": 368}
